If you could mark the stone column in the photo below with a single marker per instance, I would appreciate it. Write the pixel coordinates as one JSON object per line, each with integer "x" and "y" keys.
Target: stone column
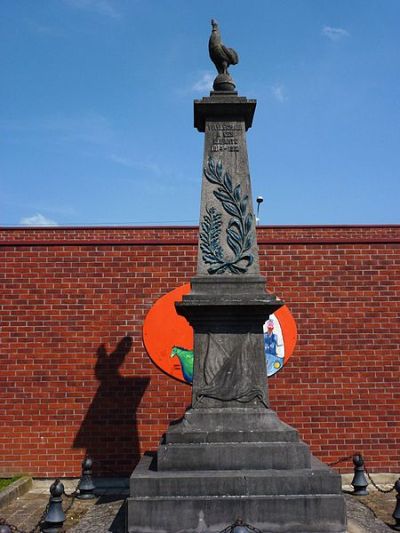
{"x": 230, "y": 456}
{"x": 228, "y": 305}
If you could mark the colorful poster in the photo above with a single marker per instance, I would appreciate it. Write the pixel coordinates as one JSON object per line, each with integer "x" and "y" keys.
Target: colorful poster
{"x": 168, "y": 337}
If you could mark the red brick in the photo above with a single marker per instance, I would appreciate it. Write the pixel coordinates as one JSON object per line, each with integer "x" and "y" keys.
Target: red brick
{"x": 66, "y": 291}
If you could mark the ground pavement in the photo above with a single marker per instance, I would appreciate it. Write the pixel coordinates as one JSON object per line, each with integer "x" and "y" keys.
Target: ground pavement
{"x": 106, "y": 513}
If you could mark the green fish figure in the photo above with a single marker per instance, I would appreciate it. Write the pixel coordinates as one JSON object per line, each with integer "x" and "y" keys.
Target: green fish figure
{"x": 186, "y": 358}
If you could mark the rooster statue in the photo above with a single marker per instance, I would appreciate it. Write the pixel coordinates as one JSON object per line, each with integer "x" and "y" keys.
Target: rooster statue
{"x": 222, "y": 57}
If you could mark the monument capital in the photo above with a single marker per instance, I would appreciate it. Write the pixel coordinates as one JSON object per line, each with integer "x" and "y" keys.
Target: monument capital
{"x": 223, "y": 106}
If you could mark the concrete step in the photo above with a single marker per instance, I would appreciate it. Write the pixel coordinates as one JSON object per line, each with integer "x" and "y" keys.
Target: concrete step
{"x": 318, "y": 513}
{"x": 146, "y": 482}
{"x": 230, "y": 436}
{"x": 233, "y": 456}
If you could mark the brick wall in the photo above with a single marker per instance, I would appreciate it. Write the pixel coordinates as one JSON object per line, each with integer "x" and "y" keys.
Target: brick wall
{"x": 70, "y": 384}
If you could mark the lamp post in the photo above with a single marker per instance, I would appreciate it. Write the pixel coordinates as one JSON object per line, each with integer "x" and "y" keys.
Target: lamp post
{"x": 259, "y": 201}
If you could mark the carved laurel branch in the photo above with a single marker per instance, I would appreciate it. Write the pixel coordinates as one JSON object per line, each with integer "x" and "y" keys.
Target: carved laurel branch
{"x": 209, "y": 237}
{"x": 238, "y": 232}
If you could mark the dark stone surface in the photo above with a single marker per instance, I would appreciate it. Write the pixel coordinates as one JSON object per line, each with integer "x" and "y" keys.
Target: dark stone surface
{"x": 208, "y": 287}
{"x": 233, "y": 455}
{"x": 223, "y": 106}
{"x": 315, "y": 480}
{"x": 230, "y": 425}
{"x": 202, "y": 486}
{"x": 204, "y": 440}
{"x": 231, "y": 436}
{"x": 318, "y": 513}
{"x": 227, "y": 236}
{"x": 229, "y": 365}
{"x": 230, "y": 456}
{"x": 228, "y": 305}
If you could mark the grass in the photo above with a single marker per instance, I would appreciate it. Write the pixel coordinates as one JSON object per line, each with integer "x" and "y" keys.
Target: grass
{"x": 4, "y": 482}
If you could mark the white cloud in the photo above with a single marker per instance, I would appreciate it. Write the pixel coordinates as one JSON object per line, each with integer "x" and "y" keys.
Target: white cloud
{"x": 37, "y": 220}
{"x": 43, "y": 29}
{"x": 102, "y": 7}
{"x": 132, "y": 163}
{"x": 279, "y": 92}
{"x": 121, "y": 160}
{"x": 334, "y": 34}
{"x": 204, "y": 84}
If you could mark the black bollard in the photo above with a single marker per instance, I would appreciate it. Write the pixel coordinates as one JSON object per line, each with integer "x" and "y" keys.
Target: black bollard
{"x": 86, "y": 485}
{"x": 396, "y": 512}
{"x": 5, "y": 529}
{"x": 54, "y": 520}
{"x": 359, "y": 482}
{"x": 239, "y": 527}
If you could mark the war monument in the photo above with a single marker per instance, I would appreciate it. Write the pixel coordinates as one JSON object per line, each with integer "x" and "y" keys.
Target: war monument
{"x": 230, "y": 456}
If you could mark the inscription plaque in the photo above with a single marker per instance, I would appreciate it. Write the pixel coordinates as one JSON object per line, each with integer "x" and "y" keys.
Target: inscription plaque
{"x": 226, "y": 137}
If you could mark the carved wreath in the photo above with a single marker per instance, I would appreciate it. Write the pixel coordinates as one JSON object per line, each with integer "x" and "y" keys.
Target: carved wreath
{"x": 238, "y": 232}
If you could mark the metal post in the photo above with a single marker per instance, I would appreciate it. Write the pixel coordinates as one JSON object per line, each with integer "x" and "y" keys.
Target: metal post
{"x": 359, "y": 482}
{"x": 396, "y": 512}
{"x": 239, "y": 527}
{"x": 259, "y": 201}
{"x": 54, "y": 520}
{"x": 86, "y": 485}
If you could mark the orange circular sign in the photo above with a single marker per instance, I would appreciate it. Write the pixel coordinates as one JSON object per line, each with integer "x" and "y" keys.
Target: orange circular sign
{"x": 168, "y": 337}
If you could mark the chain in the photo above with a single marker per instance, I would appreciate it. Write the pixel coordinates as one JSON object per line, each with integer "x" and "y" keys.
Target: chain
{"x": 15, "y": 529}
{"x": 74, "y": 493}
{"x": 71, "y": 495}
{"x": 41, "y": 520}
{"x": 384, "y": 491}
{"x": 341, "y": 460}
{"x": 71, "y": 504}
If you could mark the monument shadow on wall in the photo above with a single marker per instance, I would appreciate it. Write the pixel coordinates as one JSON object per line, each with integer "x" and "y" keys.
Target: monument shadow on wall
{"x": 109, "y": 430}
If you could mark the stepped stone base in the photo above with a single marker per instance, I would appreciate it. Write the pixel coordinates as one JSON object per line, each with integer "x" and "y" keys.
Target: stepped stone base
{"x": 206, "y": 475}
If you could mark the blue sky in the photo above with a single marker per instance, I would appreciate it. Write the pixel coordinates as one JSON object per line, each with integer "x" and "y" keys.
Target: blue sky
{"x": 96, "y": 113}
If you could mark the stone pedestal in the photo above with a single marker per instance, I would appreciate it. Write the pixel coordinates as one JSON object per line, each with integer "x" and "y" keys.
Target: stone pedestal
{"x": 230, "y": 456}
{"x": 217, "y": 465}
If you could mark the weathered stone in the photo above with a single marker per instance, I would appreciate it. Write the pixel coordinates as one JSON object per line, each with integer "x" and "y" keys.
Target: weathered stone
{"x": 233, "y": 456}
{"x": 318, "y": 479}
{"x": 230, "y": 425}
{"x": 226, "y": 214}
{"x": 230, "y": 456}
{"x": 295, "y": 513}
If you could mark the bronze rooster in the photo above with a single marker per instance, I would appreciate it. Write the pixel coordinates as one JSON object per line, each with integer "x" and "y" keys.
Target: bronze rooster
{"x": 220, "y": 55}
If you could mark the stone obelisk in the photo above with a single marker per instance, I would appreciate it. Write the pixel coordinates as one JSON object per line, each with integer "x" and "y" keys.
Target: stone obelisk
{"x": 230, "y": 456}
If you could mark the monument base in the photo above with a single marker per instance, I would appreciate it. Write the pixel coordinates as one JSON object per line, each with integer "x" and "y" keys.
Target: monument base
{"x": 207, "y": 474}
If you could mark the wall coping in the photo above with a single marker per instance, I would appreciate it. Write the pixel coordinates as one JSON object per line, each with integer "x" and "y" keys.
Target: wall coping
{"x": 306, "y": 235}
{"x": 189, "y": 227}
